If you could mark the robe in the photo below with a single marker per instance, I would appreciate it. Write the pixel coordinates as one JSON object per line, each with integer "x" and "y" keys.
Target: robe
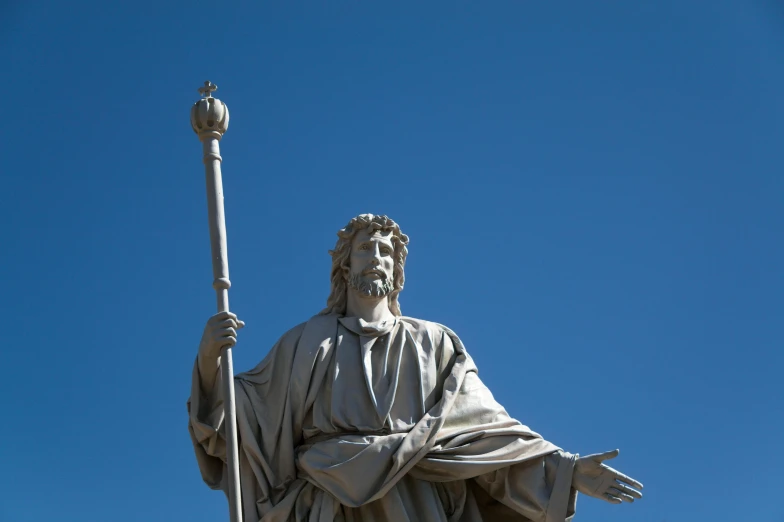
{"x": 349, "y": 421}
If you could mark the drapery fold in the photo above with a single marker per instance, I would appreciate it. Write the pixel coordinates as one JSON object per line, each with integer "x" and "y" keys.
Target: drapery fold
{"x": 464, "y": 453}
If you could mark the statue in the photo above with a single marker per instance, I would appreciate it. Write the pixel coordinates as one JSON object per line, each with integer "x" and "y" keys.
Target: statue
{"x": 363, "y": 414}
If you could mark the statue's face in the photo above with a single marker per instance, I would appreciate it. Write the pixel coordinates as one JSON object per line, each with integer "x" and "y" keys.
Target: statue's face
{"x": 372, "y": 263}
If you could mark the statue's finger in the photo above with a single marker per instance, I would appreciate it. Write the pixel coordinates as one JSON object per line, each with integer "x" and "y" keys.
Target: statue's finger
{"x": 607, "y": 455}
{"x": 612, "y": 499}
{"x": 623, "y": 478}
{"x": 231, "y": 323}
{"x": 621, "y": 495}
{"x": 626, "y": 489}
{"x": 227, "y": 323}
{"x": 227, "y": 342}
{"x": 223, "y": 332}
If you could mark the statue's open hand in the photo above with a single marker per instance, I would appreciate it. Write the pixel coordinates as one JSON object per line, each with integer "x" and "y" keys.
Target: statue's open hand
{"x": 220, "y": 332}
{"x": 601, "y": 481}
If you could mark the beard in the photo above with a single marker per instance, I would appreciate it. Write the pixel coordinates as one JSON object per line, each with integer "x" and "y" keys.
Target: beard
{"x": 370, "y": 287}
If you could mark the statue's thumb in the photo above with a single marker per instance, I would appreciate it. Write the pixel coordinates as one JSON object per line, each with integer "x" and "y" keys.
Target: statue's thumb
{"x": 607, "y": 455}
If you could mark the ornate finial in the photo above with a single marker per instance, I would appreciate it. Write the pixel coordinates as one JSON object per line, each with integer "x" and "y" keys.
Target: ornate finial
{"x": 208, "y": 89}
{"x": 209, "y": 116}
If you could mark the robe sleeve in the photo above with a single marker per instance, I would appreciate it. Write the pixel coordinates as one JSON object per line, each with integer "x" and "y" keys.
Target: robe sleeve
{"x": 266, "y": 438}
{"x": 539, "y": 488}
{"x": 205, "y": 412}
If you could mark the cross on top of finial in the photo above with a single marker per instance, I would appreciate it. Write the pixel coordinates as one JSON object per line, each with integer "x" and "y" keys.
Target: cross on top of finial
{"x": 208, "y": 89}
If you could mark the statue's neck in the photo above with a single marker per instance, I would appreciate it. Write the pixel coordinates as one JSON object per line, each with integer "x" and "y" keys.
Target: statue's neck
{"x": 369, "y": 309}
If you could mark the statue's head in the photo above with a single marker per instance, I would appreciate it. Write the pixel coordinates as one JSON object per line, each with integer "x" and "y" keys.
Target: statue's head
{"x": 368, "y": 258}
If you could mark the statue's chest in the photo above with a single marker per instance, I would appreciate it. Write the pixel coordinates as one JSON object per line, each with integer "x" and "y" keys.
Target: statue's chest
{"x": 376, "y": 383}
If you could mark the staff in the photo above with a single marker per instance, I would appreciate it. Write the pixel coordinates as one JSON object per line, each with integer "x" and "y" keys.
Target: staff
{"x": 210, "y": 119}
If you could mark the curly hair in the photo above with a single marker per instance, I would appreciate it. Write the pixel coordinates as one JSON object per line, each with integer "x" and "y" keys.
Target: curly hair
{"x": 336, "y": 302}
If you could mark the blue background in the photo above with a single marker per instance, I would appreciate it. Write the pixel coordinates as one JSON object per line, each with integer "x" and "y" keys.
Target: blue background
{"x": 593, "y": 192}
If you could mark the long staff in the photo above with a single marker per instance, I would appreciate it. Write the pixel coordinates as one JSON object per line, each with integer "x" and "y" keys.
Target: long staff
{"x": 210, "y": 119}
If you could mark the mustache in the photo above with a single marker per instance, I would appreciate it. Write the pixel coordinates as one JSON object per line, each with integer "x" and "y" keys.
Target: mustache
{"x": 374, "y": 270}
{"x": 379, "y": 288}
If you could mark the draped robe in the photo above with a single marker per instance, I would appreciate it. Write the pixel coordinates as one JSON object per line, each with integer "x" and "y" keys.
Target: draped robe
{"x": 349, "y": 421}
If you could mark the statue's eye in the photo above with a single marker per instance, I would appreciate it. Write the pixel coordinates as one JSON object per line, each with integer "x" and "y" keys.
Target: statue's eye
{"x": 386, "y": 250}
{"x": 363, "y": 247}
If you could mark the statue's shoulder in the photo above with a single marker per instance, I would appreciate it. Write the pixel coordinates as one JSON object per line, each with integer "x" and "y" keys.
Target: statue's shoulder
{"x": 293, "y": 334}
{"x": 315, "y": 328}
{"x": 424, "y": 328}
{"x": 284, "y": 348}
{"x": 280, "y": 352}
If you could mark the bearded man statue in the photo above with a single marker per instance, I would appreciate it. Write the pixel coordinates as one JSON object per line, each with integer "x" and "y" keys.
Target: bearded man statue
{"x": 363, "y": 414}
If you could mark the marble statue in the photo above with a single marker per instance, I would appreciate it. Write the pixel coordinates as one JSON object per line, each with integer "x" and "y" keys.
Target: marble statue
{"x": 363, "y": 414}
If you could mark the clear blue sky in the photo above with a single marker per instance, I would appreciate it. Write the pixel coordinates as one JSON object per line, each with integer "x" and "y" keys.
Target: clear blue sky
{"x": 593, "y": 190}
